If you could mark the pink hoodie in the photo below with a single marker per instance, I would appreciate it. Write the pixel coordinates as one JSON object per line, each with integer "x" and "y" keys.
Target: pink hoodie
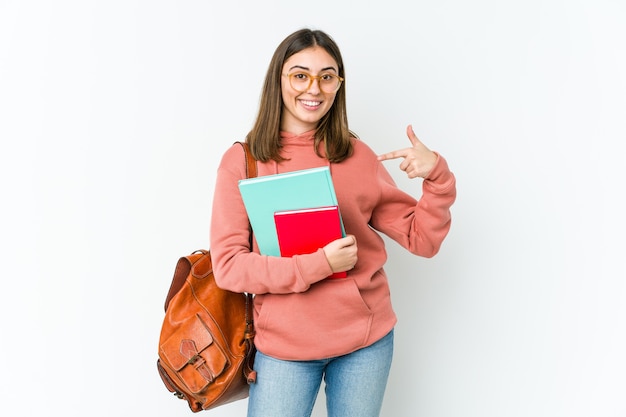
{"x": 300, "y": 315}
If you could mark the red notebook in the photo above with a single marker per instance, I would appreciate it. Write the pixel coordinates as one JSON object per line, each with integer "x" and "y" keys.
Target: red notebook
{"x": 306, "y": 230}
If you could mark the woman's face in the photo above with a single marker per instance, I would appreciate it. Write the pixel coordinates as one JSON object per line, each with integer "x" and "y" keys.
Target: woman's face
{"x": 302, "y": 110}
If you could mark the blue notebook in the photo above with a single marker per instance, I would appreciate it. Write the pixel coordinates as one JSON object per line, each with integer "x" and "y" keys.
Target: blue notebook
{"x": 265, "y": 195}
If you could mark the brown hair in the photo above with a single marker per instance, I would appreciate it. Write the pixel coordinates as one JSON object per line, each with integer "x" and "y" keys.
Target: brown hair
{"x": 332, "y": 129}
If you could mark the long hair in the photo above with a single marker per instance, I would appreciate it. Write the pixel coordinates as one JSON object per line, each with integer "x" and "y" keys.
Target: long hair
{"x": 332, "y": 130}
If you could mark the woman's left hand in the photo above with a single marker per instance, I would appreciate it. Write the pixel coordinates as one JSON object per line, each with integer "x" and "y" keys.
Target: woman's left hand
{"x": 418, "y": 159}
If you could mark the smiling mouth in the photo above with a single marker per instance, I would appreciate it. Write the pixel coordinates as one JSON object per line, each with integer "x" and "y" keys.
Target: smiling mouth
{"x": 310, "y": 103}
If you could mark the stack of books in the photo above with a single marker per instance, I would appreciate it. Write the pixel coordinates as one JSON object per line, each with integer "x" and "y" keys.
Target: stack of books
{"x": 293, "y": 213}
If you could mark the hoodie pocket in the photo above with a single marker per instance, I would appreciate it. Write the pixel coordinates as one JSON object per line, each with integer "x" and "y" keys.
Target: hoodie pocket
{"x": 329, "y": 319}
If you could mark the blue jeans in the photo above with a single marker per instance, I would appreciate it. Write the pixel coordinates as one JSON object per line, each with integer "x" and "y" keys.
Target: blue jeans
{"x": 355, "y": 383}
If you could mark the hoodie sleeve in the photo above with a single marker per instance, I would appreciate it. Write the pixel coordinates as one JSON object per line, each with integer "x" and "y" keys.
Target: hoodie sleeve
{"x": 419, "y": 226}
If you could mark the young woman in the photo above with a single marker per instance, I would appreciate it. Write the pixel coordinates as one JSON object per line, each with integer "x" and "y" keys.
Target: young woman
{"x": 310, "y": 328}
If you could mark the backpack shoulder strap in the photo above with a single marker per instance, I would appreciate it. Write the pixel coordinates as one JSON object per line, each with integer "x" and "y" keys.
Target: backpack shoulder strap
{"x": 251, "y": 169}
{"x": 248, "y": 371}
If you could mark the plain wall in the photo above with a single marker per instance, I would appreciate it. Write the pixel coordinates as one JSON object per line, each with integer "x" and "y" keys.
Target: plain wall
{"x": 114, "y": 115}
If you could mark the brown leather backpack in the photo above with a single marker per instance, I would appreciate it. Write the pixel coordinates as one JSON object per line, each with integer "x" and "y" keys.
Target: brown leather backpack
{"x": 206, "y": 345}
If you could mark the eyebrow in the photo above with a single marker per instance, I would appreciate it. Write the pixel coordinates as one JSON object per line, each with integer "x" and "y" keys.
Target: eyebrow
{"x": 309, "y": 69}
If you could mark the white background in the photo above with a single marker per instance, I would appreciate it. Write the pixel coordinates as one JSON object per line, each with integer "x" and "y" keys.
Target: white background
{"x": 114, "y": 114}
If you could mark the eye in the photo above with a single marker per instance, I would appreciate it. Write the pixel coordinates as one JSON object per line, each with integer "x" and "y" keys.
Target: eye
{"x": 301, "y": 76}
{"x": 327, "y": 77}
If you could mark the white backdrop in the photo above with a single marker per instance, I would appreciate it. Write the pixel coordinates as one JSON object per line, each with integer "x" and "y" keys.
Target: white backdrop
{"x": 114, "y": 114}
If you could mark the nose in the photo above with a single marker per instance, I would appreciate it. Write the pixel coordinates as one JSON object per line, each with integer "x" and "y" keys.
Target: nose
{"x": 314, "y": 88}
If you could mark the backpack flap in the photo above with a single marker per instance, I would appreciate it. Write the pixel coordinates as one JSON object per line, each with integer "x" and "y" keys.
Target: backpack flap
{"x": 194, "y": 355}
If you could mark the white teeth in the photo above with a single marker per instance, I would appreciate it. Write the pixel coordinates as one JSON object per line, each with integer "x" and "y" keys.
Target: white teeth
{"x": 311, "y": 103}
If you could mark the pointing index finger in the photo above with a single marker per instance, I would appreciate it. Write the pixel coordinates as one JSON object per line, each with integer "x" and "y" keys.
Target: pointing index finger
{"x": 393, "y": 155}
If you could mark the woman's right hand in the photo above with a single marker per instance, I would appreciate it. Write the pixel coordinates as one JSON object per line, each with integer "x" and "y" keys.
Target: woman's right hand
{"x": 341, "y": 253}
